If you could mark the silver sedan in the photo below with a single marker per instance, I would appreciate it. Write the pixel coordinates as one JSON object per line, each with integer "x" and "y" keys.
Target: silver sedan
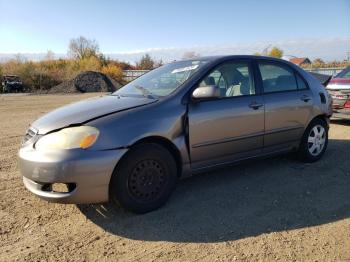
{"x": 185, "y": 117}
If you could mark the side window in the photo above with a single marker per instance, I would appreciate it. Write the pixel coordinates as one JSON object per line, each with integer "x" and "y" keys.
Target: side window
{"x": 232, "y": 78}
{"x": 277, "y": 78}
{"x": 301, "y": 82}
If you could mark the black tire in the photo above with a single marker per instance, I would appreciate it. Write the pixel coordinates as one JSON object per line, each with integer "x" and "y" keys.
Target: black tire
{"x": 305, "y": 147}
{"x": 144, "y": 179}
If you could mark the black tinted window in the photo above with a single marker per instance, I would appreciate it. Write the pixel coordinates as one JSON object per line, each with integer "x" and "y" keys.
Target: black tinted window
{"x": 277, "y": 78}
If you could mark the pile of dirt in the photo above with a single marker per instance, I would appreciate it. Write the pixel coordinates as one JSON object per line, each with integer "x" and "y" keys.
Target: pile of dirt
{"x": 88, "y": 81}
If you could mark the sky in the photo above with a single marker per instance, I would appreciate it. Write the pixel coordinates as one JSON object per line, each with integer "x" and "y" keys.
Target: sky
{"x": 166, "y": 29}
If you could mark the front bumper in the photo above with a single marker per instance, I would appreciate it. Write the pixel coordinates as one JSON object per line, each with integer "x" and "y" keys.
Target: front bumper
{"x": 89, "y": 171}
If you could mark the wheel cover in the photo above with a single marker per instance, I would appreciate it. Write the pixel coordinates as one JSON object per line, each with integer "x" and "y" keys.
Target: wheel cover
{"x": 316, "y": 140}
{"x": 147, "y": 180}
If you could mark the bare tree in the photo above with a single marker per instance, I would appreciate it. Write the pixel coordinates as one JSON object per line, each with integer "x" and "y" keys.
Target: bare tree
{"x": 190, "y": 55}
{"x": 158, "y": 63}
{"x": 145, "y": 63}
{"x": 318, "y": 62}
{"x": 49, "y": 55}
{"x": 19, "y": 58}
{"x": 82, "y": 47}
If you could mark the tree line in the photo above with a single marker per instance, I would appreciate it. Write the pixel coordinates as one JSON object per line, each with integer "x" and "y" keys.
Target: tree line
{"x": 316, "y": 63}
{"x": 84, "y": 55}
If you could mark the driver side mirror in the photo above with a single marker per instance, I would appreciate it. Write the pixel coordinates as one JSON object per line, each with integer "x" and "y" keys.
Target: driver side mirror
{"x": 206, "y": 92}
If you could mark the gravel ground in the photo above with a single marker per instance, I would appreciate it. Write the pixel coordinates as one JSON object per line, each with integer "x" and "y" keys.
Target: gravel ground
{"x": 263, "y": 210}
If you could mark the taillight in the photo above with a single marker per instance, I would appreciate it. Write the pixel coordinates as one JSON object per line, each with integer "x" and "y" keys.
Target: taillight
{"x": 347, "y": 104}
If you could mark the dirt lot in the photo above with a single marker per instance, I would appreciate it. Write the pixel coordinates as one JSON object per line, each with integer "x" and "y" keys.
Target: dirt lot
{"x": 275, "y": 209}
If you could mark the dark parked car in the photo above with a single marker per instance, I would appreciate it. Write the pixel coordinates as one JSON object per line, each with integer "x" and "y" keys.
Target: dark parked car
{"x": 12, "y": 84}
{"x": 179, "y": 119}
{"x": 339, "y": 89}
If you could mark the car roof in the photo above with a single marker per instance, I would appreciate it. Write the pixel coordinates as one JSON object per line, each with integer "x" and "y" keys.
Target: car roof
{"x": 227, "y": 57}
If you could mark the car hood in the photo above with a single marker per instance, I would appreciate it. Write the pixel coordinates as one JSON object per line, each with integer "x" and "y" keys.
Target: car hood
{"x": 87, "y": 110}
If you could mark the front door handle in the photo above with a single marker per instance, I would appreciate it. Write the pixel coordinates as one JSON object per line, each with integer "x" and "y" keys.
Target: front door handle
{"x": 255, "y": 105}
{"x": 305, "y": 98}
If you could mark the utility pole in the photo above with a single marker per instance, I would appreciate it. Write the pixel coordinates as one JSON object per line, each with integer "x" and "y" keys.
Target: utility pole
{"x": 40, "y": 82}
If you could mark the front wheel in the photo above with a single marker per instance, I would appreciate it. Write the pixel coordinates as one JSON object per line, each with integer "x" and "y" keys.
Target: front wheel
{"x": 314, "y": 141}
{"x": 145, "y": 178}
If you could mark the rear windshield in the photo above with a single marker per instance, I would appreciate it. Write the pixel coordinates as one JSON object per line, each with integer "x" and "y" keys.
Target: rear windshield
{"x": 344, "y": 74}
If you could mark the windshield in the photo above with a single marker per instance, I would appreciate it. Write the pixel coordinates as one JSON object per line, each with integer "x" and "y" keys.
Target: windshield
{"x": 344, "y": 74}
{"x": 161, "y": 81}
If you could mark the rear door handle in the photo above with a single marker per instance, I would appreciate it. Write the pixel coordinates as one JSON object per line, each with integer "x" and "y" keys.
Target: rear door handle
{"x": 255, "y": 105}
{"x": 305, "y": 98}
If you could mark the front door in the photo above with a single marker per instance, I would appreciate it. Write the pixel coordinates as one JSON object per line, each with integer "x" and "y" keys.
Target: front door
{"x": 232, "y": 126}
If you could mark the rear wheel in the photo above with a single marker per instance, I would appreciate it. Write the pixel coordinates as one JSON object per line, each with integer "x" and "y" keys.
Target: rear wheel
{"x": 314, "y": 141}
{"x": 145, "y": 178}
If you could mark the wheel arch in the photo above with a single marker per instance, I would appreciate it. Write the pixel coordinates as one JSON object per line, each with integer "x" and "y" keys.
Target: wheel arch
{"x": 303, "y": 152}
{"x": 322, "y": 117}
{"x": 167, "y": 144}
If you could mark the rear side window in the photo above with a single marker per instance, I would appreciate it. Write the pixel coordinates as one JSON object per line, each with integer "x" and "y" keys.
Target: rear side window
{"x": 277, "y": 78}
{"x": 301, "y": 82}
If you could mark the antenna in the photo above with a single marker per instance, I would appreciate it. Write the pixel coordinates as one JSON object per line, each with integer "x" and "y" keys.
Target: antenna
{"x": 264, "y": 51}
{"x": 291, "y": 56}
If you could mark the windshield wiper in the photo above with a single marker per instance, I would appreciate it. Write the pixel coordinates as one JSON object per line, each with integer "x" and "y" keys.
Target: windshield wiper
{"x": 145, "y": 92}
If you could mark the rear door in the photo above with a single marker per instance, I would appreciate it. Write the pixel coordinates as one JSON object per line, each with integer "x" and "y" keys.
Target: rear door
{"x": 232, "y": 126}
{"x": 288, "y": 104}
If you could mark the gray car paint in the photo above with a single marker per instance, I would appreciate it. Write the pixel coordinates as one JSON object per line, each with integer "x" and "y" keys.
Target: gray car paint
{"x": 91, "y": 171}
{"x": 83, "y": 111}
{"x": 200, "y": 134}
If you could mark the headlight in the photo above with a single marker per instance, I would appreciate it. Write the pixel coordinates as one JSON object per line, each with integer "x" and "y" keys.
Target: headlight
{"x": 69, "y": 138}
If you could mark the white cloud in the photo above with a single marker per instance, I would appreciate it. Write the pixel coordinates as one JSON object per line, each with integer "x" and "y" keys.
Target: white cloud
{"x": 325, "y": 48}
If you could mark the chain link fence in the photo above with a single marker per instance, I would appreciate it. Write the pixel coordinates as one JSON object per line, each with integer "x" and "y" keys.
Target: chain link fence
{"x": 325, "y": 71}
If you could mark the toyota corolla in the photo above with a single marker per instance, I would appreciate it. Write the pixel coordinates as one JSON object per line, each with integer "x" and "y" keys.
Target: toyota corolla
{"x": 130, "y": 147}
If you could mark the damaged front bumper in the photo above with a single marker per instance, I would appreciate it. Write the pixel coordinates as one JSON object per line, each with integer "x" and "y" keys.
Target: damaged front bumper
{"x": 85, "y": 172}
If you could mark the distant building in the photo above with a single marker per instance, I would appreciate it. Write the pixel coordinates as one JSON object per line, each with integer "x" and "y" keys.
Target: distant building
{"x": 300, "y": 61}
